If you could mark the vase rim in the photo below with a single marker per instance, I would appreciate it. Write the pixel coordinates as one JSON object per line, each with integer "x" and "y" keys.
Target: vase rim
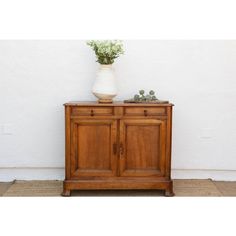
{"x": 106, "y": 65}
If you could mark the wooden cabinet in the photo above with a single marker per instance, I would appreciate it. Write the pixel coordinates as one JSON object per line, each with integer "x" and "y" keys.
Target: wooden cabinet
{"x": 118, "y": 146}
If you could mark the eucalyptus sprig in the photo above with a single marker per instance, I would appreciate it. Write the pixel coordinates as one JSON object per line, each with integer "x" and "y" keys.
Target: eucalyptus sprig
{"x": 106, "y": 50}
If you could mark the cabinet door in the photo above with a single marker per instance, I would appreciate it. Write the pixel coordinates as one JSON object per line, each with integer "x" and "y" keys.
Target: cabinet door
{"x": 142, "y": 147}
{"x": 93, "y": 148}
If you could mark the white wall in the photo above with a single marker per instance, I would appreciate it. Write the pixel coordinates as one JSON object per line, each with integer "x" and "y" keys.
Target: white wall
{"x": 37, "y": 77}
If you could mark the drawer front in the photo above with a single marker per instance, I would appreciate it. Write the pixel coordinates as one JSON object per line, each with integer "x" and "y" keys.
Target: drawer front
{"x": 92, "y": 111}
{"x": 145, "y": 111}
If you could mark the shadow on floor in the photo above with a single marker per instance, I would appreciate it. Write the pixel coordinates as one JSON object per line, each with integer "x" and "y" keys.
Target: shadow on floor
{"x": 118, "y": 193}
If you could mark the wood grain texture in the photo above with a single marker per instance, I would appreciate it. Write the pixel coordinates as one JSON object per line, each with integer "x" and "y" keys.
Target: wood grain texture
{"x": 118, "y": 146}
{"x": 68, "y": 141}
{"x": 92, "y": 146}
{"x": 92, "y": 111}
{"x": 115, "y": 104}
{"x": 144, "y": 147}
{"x": 144, "y": 111}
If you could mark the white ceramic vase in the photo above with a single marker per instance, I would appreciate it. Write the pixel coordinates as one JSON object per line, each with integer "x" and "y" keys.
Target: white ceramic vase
{"x": 104, "y": 87}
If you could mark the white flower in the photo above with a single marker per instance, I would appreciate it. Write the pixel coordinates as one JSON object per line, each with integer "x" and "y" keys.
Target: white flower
{"x": 106, "y": 50}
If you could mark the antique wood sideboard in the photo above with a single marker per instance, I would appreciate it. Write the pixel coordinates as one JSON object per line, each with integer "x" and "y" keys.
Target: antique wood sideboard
{"x": 118, "y": 146}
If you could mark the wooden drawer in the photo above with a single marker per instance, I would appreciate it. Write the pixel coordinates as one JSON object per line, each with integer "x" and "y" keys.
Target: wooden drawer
{"x": 92, "y": 111}
{"x": 144, "y": 111}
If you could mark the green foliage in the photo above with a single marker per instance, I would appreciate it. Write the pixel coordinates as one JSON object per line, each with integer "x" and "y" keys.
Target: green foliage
{"x": 151, "y": 92}
{"x": 141, "y": 92}
{"x": 141, "y": 97}
{"x": 136, "y": 97}
{"x": 106, "y": 50}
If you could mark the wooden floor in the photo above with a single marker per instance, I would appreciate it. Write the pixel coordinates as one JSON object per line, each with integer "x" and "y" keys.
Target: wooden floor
{"x": 181, "y": 188}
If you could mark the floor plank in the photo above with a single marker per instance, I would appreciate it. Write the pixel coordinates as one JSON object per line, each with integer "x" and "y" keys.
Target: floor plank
{"x": 181, "y": 188}
{"x": 4, "y": 186}
{"x": 227, "y": 188}
{"x": 34, "y": 189}
{"x": 195, "y": 188}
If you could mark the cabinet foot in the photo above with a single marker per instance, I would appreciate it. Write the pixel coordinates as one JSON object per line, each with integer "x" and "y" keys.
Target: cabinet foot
{"x": 169, "y": 193}
{"x": 66, "y": 193}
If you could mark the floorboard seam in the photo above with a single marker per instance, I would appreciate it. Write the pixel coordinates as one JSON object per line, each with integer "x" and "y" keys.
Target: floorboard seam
{"x": 222, "y": 195}
{"x": 2, "y": 194}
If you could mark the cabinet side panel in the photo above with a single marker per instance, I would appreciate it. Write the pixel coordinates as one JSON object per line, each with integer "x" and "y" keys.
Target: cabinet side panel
{"x": 67, "y": 146}
{"x": 168, "y": 142}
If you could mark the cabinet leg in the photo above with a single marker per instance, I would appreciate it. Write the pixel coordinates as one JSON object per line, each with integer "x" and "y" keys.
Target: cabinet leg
{"x": 169, "y": 191}
{"x": 66, "y": 193}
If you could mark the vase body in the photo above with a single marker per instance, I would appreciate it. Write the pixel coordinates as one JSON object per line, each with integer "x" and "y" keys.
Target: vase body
{"x": 104, "y": 87}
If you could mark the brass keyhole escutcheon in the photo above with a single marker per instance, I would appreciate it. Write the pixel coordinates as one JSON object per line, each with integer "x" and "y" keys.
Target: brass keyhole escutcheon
{"x": 121, "y": 149}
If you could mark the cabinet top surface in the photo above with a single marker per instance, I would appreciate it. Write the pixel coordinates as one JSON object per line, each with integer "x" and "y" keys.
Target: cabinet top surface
{"x": 94, "y": 103}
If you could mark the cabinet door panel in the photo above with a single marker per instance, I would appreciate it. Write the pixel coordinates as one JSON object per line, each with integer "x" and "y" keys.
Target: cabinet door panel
{"x": 92, "y": 148}
{"x": 142, "y": 147}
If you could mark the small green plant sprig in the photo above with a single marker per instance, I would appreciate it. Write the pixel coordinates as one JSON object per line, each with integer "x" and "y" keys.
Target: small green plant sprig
{"x": 106, "y": 50}
{"x": 141, "y": 97}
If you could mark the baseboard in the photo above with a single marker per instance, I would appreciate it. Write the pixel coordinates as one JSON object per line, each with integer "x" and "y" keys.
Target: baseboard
{"x": 57, "y": 173}
{"x": 223, "y": 175}
{"x": 31, "y": 173}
